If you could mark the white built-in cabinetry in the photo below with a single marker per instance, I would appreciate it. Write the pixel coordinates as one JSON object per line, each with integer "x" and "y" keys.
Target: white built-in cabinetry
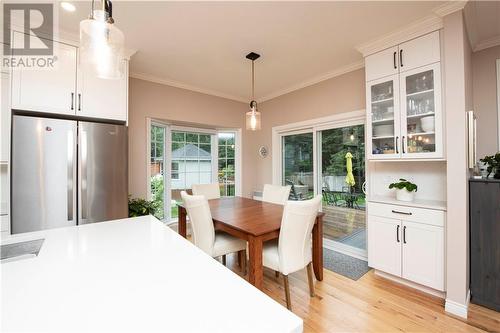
{"x": 4, "y": 153}
{"x": 405, "y": 123}
{"x": 68, "y": 88}
{"x": 404, "y": 107}
{"x": 407, "y": 242}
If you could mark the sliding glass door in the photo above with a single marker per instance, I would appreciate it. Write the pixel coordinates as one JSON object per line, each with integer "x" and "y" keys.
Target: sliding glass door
{"x": 297, "y": 165}
{"x": 341, "y": 175}
{"x": 330, "y": 160}
{"x": 157, "y": 169}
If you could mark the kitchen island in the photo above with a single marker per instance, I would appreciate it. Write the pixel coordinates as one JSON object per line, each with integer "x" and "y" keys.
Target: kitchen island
{"x": 128, "y": 275}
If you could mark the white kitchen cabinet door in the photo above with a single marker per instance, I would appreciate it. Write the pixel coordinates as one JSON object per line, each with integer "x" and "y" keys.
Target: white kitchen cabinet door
{"x": 419, "y": 52}
{"x": 5, "y": 119}
{"x": 384, "y": 244}
{"x": 381, "y": 64}
{"x": 102, "y": 98}
{"x": 423, "y": 254}
{"x": 47, "y": 90}
{"x": 421, "y": 113}
{"x": 383, "y": 118}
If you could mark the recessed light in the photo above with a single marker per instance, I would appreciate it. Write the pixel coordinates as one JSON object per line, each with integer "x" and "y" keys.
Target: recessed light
{"x": 68, "y": 6}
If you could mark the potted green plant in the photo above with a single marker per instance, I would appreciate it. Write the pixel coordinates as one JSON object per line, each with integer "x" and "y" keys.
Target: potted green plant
{"x": 405, "y": 190}
{"x": 140, "y": 207}
{"x": 493, "y": 165}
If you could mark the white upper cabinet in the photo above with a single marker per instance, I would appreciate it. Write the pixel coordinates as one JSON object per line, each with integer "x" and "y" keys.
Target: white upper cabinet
{"x": 383, "y": 63}
{"x": 419, "y": 52}
{"x": 46, "y": 90}
{"x": 102, "y": 98}
{"x": 69, "y": 89}
{"x": 383, "y": 124}
{"x": 404, "y": 109}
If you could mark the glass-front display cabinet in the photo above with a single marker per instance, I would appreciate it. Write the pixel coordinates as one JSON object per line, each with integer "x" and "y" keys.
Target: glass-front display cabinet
{"x": 421, "y": 123}
{"x": 383, "y": 123}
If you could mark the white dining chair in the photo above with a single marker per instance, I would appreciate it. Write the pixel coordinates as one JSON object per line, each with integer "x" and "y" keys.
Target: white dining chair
{"x": 209, "y": 191}
{"x": 275, "y": 194}
{"x": 293, "y": 249}
{"x": 214, "y": 243}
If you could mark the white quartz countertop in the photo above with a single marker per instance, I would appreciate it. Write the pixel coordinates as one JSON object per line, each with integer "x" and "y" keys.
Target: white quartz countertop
{"x": 130, "y": 275}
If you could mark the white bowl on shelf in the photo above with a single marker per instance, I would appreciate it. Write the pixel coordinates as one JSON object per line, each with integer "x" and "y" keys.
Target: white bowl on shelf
{"x": 383, "y": 130}
{"x": 427, "y": 123}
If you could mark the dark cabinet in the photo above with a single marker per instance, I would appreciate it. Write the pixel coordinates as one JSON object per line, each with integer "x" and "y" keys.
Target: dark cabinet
{"x": 484, "y": 219}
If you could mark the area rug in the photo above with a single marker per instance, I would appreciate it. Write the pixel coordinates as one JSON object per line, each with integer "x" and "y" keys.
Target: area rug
{"x": 345, "y": 265}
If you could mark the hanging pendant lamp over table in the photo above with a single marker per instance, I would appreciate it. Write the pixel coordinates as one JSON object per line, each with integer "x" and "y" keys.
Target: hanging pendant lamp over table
{"x": 253, "y": 116}
{"x": 101, "y": 42}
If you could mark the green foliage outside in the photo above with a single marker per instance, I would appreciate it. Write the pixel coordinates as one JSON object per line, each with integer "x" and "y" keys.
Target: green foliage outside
{"x": 157, "y": 189}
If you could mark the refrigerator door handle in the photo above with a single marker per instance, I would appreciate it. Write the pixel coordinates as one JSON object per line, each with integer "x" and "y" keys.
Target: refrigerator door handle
{"x": 71, "y": 158}
{"x": 83, "y": 169}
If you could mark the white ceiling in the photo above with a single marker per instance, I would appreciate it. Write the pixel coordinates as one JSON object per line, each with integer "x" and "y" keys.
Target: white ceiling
{"x": 202, "y": 45}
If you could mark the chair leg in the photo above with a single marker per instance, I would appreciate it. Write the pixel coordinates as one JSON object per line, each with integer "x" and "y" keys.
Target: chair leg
{"x": 310, "y": 278}
{"x": 224, "y": 259}
{"x": 276, "y": 274}
{"x": 287, "y": 293}
{"x": 242, "y": 258}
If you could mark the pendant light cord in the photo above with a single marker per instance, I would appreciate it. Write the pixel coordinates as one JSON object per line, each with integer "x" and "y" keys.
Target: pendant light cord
{"x": 253, "y": 81}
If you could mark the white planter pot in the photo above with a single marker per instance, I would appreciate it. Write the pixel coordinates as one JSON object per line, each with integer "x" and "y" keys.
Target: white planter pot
{"x": 404, "y": 195}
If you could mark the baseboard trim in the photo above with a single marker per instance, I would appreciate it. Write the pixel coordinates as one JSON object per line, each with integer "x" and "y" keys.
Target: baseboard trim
{"x": 457, "y": 309}
{"x": 410, "y": 284}
{"x": 345, "y": 249}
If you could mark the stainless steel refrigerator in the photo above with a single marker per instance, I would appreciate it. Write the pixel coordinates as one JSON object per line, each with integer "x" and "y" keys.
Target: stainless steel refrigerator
{"x": 67, "y": 172}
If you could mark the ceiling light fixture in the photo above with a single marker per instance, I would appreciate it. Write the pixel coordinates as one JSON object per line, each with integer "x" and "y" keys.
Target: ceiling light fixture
{"x": 102, "y": 43}
{"x": 69, "y": 7}
{"x": 253, "y": 116}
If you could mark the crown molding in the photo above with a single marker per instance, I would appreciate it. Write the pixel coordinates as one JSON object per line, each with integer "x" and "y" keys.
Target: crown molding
{"x": 485, "y": 44}
{"x": 450, "y": 7}
{"x": 418, "y": 28}
{"x": 337, "y": 72}
{"x": 181, "y": 85}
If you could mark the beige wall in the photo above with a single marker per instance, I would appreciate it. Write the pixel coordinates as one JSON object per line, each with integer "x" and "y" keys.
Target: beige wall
{"x": 340, "y": 94}
{"x": 457, "y": 69}
{"x": 485, "y": 100}
{"x": 148, "y": 99}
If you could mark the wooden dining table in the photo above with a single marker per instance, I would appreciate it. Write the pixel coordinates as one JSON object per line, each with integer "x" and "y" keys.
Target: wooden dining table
{"x": 256, "y": 222}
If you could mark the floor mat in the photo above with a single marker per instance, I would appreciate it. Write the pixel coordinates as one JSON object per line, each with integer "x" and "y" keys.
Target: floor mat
{"x": 345, "y": 265}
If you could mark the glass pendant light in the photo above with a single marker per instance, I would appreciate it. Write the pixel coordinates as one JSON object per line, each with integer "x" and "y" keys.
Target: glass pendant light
{"x": 102, "y": 43}
{"x": 253, "y": 116}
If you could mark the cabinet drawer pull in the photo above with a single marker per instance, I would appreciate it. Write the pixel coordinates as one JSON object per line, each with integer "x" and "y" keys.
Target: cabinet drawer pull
{"x": 404, "y": 235}
{"x": 403, "y": 213}
{"x": 397, "y": 233}
{"x": 72, "y": 101}
{"x": 79, "y": 102}
{"x": 394, "y": 60}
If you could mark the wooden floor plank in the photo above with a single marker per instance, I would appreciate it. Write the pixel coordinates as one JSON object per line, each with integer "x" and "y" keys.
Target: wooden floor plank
{"x": 371, "y": 304}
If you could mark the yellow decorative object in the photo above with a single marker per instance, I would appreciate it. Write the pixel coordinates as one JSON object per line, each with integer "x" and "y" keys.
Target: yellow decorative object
{"x": 349, "y": 179}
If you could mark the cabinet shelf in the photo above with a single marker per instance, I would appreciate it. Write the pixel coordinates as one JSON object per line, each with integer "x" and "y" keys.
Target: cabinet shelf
{"x": 420, "y": 115}
{"x": 420, "y": 92}
{"x": 382, "y": 137}
{"x": 383, "y": 100}
{"x": 421, "y": 133}
{"x": 381, "y": 121}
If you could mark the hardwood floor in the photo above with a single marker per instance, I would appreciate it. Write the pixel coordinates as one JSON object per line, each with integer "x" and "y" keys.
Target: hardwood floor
{"x": 371, "y": 304}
